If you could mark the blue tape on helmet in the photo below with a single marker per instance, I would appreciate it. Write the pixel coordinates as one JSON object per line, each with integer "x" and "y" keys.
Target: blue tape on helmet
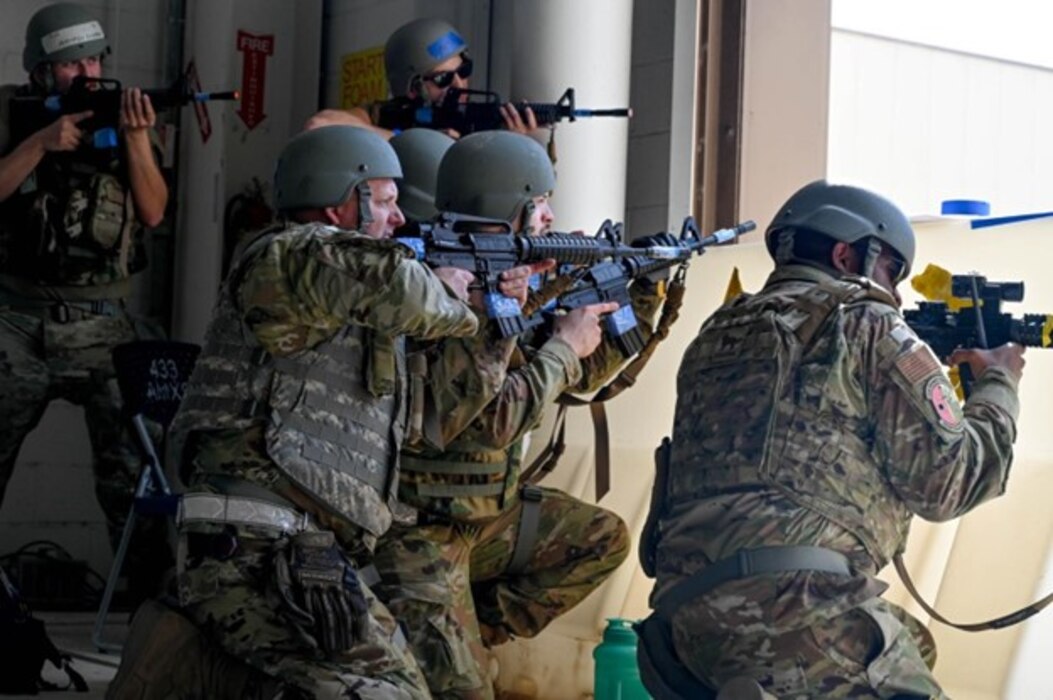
{"x": 446, "y": 45}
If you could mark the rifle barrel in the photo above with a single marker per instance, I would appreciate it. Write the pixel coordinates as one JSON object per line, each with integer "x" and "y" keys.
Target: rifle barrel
{"x": 622, "y": 112}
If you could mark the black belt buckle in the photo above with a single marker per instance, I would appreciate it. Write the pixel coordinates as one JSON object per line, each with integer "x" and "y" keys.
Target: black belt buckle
{"x": 531, "y": 493}
{"x": 60, "y": 313}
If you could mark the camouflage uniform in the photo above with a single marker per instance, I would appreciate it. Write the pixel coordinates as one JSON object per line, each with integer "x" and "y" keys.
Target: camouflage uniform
{"x": 835, "y": 441}
{"x": 306, "y": 338}
{"x": 69, "y": 244}
{"x": 446, "y": 573}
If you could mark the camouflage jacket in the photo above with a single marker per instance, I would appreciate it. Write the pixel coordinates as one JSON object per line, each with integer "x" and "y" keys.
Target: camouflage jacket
{"x": 307, "y": 331}
{"x": 482, "y": 440}
{"x": 836, "y": 444}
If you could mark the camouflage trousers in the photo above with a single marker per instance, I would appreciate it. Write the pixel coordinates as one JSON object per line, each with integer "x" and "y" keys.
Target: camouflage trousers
{"x": 449, "y": 584}
{"x": 235, "y": 602}
{"x": 41, "y": 360}
{"x": 875, "y": 650}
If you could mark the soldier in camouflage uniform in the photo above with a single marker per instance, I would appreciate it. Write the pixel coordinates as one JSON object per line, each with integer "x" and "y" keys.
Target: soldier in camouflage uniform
{"x": 71, "y": 224}
{"x": 289, "y": 432}
{"x": 480, "y": 560}
{"x": 811, "y": 425}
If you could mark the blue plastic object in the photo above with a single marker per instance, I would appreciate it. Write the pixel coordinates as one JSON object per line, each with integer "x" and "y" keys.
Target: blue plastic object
{"x": 965, "y": 207}
{"x": 617, "y": 675}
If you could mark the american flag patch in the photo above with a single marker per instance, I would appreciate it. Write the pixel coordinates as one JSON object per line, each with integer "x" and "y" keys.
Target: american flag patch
{"x": 917, "y": 364}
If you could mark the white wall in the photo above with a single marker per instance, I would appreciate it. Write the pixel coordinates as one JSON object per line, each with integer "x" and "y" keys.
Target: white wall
{"x": 924, "y": 124}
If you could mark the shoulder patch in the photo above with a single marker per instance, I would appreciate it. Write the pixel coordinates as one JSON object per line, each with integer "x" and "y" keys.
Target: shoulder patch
{"x": 940, "y": 395}
{"x": 918, "y": 363}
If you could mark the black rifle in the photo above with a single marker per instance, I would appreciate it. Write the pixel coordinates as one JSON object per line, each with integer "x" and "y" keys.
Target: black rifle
{"x": 102, "y": 96}
{"x": 462, "y": 242}
{"x": 609, "y": 281}
{"x": 480, "y": 111}
{"x": 980, "y": 323}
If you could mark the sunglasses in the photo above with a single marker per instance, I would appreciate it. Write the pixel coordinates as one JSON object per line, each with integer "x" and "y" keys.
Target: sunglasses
{"x": 445, "y": 78}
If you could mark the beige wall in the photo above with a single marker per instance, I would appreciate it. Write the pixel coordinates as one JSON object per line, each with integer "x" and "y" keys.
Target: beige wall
{"x": 784, "y": 115}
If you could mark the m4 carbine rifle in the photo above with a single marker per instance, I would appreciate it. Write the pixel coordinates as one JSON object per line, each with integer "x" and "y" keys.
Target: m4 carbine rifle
{"x": 609, "y": 280}
{"x": 480, "y": 110}
{"x": 967, "y": 313}
{"x": 462, "y": 242}
{"x": 102, "y": 96}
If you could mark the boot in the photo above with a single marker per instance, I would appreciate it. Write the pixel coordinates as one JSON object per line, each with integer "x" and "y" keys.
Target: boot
{"x": 166, "y": 657}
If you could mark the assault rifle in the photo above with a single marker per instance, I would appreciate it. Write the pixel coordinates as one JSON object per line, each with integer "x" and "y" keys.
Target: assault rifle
{"x": 968, "y": 314}
{"x": 480, "y": 110}
{"x": 462, "y": 242}
{"x": 609, "y": 281}
{"x": 102, "y": 96}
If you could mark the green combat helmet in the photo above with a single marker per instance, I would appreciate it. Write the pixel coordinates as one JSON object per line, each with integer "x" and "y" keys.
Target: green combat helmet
{"x": 62, "y": 32}
{"x": 416, "y": 48}
{"x": 322, "y": 167}
{"x": 843, "y": 213}
{"x": 494, "y": 175}
{"x": 420, "y": 152}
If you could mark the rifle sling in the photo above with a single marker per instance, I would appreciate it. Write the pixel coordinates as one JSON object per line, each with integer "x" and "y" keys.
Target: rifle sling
{"x": 549, "y": 456}
{"x": 993, "y": 624}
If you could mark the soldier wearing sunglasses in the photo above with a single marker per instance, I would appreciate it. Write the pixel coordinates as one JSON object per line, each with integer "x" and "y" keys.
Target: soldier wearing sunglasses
{"x": 423, "y": 60}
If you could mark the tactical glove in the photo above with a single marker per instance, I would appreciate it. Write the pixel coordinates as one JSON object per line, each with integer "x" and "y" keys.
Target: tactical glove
{"x": 322, "y": 591}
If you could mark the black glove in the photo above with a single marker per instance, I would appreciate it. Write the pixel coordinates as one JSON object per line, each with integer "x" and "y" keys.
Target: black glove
{"x": 322, "y": 590}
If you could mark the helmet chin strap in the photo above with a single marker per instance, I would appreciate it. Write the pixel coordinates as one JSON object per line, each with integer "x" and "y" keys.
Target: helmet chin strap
{"x": 365, "y": 213}
{"x": 526, "y": 214}
{"x": 784, "y": 246}
{"x": 870, "y": 261}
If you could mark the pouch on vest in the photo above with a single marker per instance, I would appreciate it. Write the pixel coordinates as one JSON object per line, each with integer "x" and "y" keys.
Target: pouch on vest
{"x": 25, "y": 646}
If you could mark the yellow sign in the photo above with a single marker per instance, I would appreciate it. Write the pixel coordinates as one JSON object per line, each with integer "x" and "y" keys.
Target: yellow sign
{"x": 362, "y": 78}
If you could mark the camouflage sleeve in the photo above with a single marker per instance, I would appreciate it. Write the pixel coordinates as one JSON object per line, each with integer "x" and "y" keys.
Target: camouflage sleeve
{"x": 942, "y": 459}
{"x": 302, "y": 289}
{"x": 599, "y": 367}
{"x": 463, "y": 375}
{"x": 523, "y": 397}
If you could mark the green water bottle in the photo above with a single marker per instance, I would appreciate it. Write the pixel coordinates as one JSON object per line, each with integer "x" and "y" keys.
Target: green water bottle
{"x": 617, "y": 675}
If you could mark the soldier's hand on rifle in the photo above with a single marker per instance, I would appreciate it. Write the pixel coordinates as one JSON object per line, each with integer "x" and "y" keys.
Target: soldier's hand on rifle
{"x": 580, "y": 329}
{"x": 137, "y": 113}
{"x": 514, "y": 120}
{"x": 515, "y": 283}
{"x": 63, "y": 134}
{"x": 1009, "y": 357}
{"x": 456, "y": 279}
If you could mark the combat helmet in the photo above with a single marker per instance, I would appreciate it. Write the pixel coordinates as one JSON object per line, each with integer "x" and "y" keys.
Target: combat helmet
{"x": 842, "y": 213}
{"x": 494, "y": 175}
{"x": 420, "y": 152}
{"x": 322, "y": 167}
{"x": 62, "y": 32}
{"x": 416, "y": 48}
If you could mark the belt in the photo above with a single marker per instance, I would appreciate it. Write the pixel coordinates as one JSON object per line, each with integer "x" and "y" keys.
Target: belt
{"x": 751, "y": 562}
{"x": 236, "y": 510}
{"x": 59, "y": 310}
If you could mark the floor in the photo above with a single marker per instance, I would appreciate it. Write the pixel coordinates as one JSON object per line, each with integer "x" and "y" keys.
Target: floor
{"x": 71, "y": 633}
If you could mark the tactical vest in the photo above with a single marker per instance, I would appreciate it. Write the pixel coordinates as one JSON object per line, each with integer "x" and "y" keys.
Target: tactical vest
{"x": 72, "y": 221}
{"x": 325, "y": 430}
{"x": 464, "y": 486}
{"x": 759, "y": 407}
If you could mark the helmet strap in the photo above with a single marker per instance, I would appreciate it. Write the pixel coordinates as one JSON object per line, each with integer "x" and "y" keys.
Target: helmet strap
{"x": 365, "y": 213}
{"x": 526, "y": 214}
{"x": 870, "y": 261}
{"x": 784, "y": 246}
